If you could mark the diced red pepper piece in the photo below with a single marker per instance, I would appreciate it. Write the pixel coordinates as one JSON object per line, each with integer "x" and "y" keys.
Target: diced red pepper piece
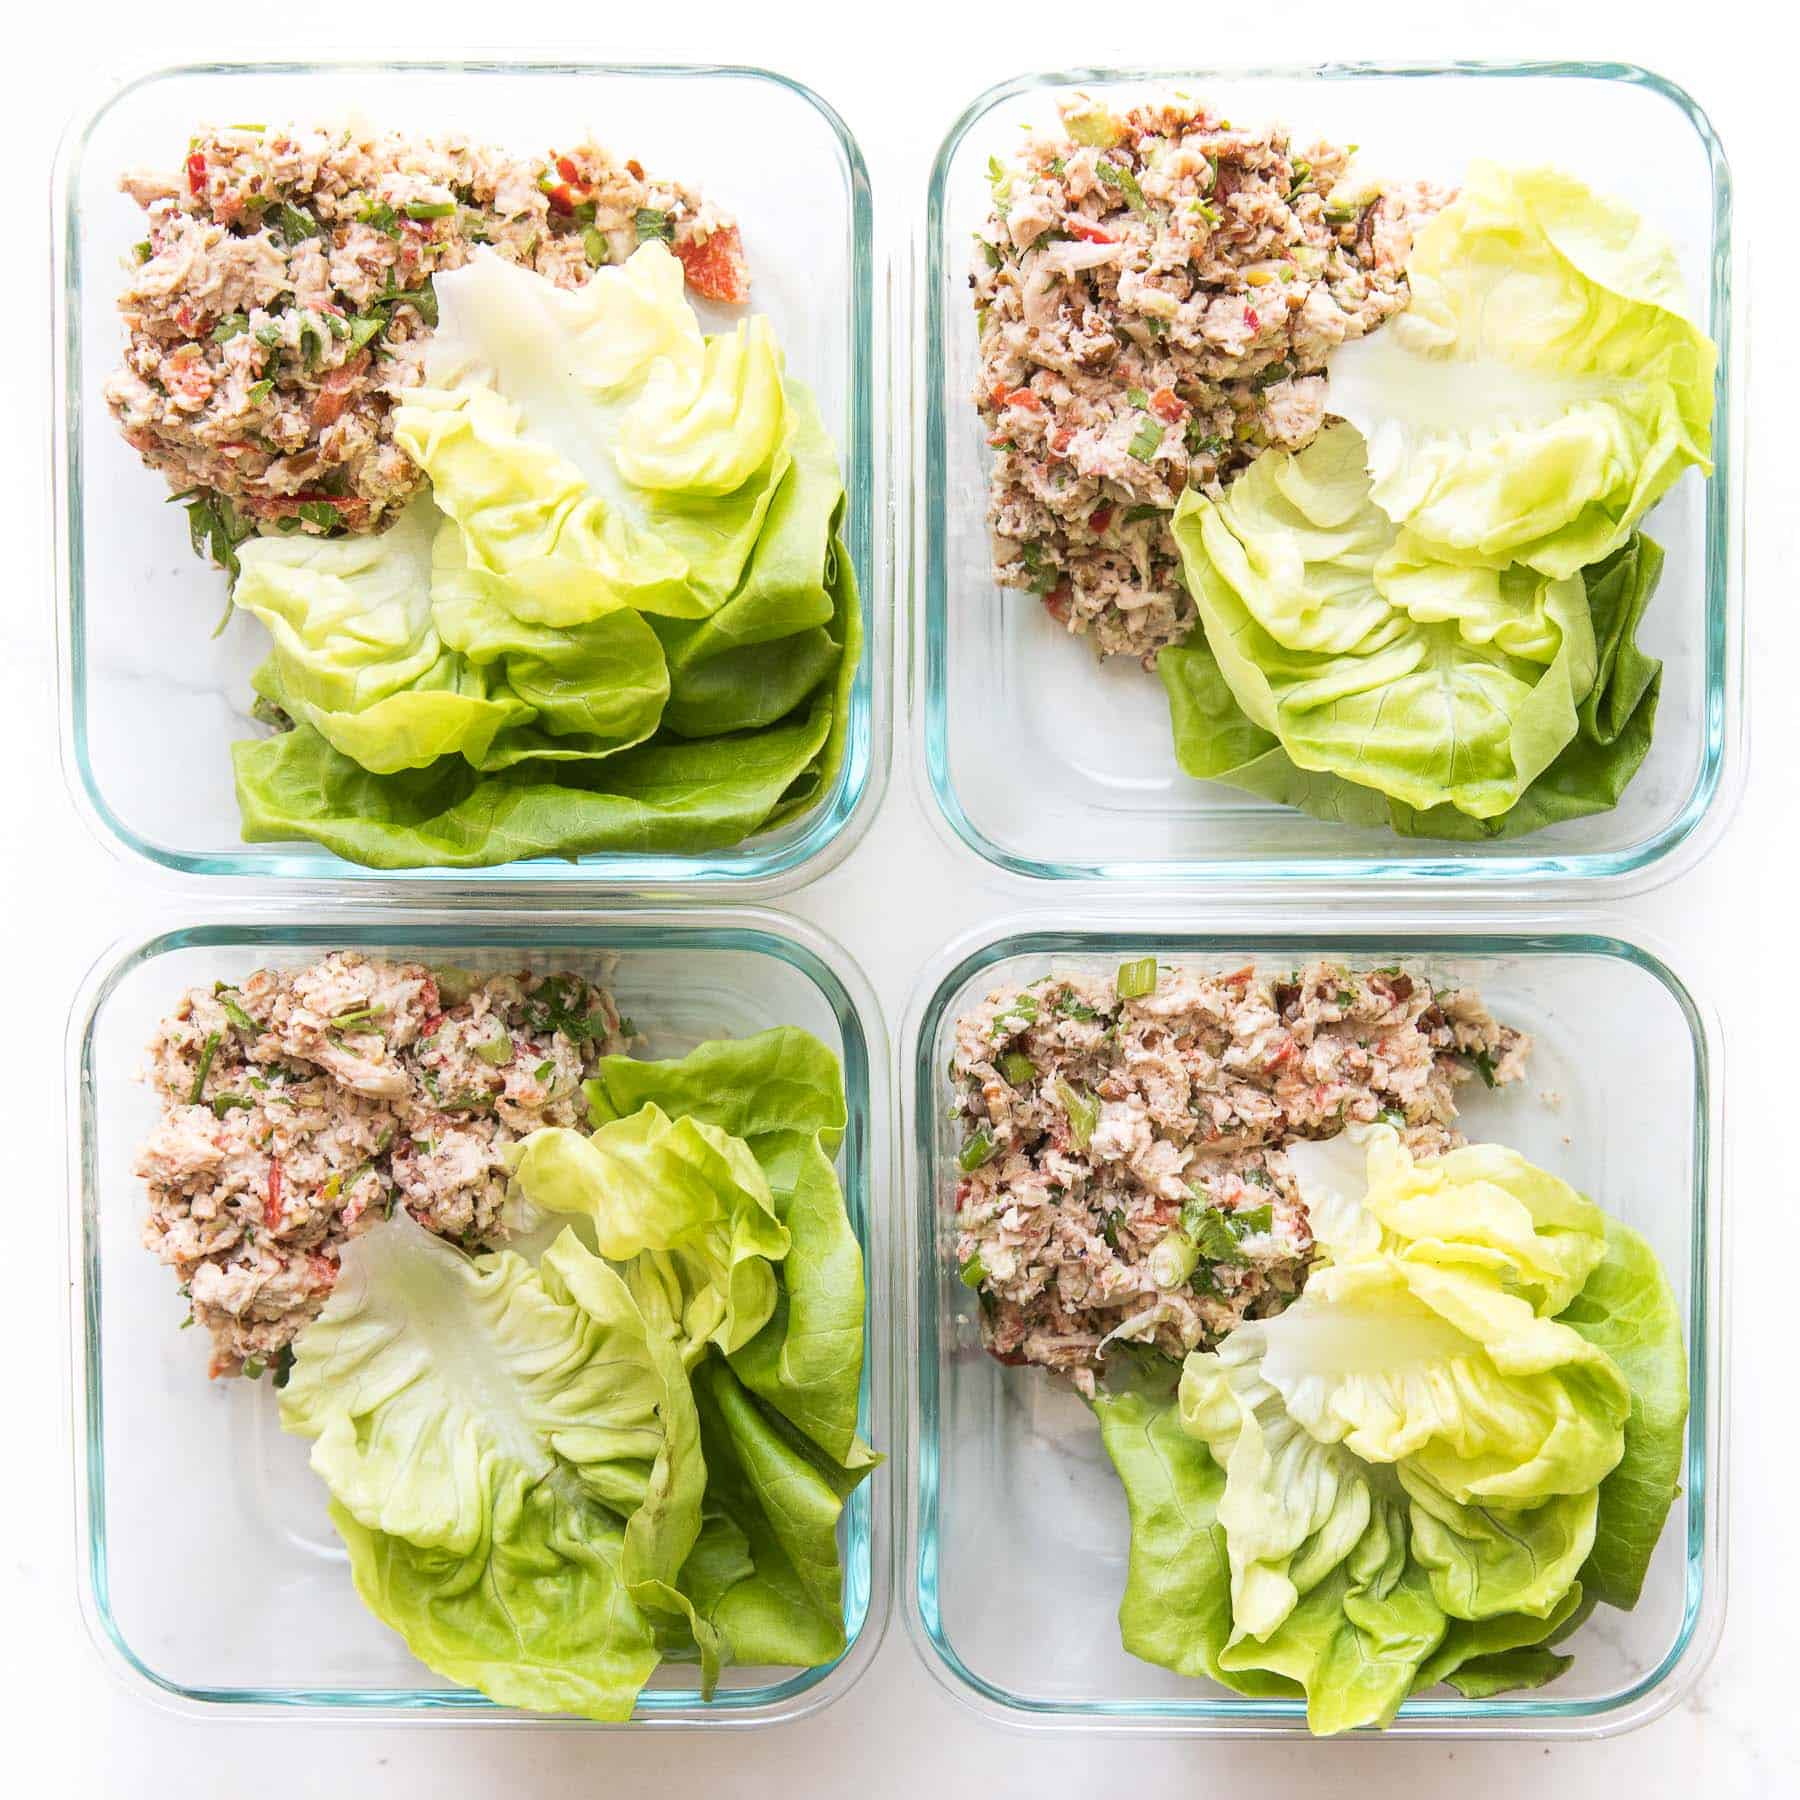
{"x": 1026, "y": 398}
{"x": 1168, "y": 406}
{"x": 1251, "y": 319}
{"x": 272, "y": 1205}
{"x": 1100, "y": 518}
{"x": 1056, "y": 602}
{"x": 196, "y": 172}
{"x": 1061, "y": 440}
{"x": 1238, "y": 977}
{"x": 562, "y": 197}
{"x": 716, "y": 270}
{"x": 1087, "y": 231}
{"x": 565, "y": 167}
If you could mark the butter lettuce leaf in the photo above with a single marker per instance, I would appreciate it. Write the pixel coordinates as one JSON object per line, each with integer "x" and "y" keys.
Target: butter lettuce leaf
{"x": 1403, "y": 1478}
{"x": 498, "y": 1444}
{"x": 1215, "y": 739}
{"x": 667, "y": 795}
{"x": 782, "y": 1093}
{"x": 1431, "y": 683}
{"x": 593, "y": 449}
{"x": 1546, "y": 384}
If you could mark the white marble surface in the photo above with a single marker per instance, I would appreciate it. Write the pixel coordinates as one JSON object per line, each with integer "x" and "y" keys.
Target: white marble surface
{"x": 72, "y": 1730}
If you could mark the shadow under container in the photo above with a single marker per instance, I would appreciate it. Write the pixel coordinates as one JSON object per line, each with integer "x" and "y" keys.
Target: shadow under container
{"x": 163, "y": 1457}
{"x": 151, "y": 704}
{"x": 1051, "y": 766}
{"x": 1015, "y": 1557}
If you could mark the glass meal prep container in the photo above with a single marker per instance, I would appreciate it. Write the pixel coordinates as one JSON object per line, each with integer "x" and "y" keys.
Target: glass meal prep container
{"x": 1051, "y": 765}
{"x": 1015, "y": 1554}
{"x": 164, "y": 1456}
{"x": 150, "y": 704}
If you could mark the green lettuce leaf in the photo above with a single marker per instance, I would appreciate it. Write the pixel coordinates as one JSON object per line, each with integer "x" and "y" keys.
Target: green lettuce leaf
{"x": 683, "y": 1202}
{"x": 665, "y": 796}
{"x": 1545, "y": 386}
{"x": 593, "y": 449}
{"x": 1433, "y": 683}
{"x": 1216, "y": 741}
{"x": 782, "y": 1093}
{"x": 1628, "y": 1309}
{"x": 503, "y": 1454}
{"x": 1400, "y": 1479}
{"x": 784, "y": 1498}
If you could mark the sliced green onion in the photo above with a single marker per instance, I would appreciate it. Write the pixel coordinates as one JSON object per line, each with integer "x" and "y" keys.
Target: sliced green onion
{"x": 1136, "y": 515}
{"x": 1172, "y": 1260}
{"x": 269, "y": 336}
{"x": 1136, "y": 979}
{"x": 365, "y": 328}
{"x": 233, "y": 1008}
{"x": 1146, "y": 441}
{"x": 1342, "y": 215}
{"x": 260, "y": 391}
{"x": 208, "y": 1051}
{"x": 1391, "y": 1115}
{"x": 974, "y": 1271}
{"x": 1020, "y": 1011}
{"x": 595, "y": 248}
{"x": 1276, "y": 371}
{"x": 356, "y": 1016}
{"x": 321, "y": 513}
{"x": 1018, "y": 1070}
{"x": 430, "y": 209}
{"x": 543, "y": 1071}
{"x": 1484, "y": 1064}
{"x": 975, "y": 1152}
{"x": 1253, "y": 1221}
{"x": 1083, "y": 1110}
{"x": 223, "y": 1103}
{"x": 142, "y": 250}
{"x": 651, "y": 223}
{"x": 1137, "y": 397}
{"x": 379, "y": 214}
{"x": 230, "y": 326}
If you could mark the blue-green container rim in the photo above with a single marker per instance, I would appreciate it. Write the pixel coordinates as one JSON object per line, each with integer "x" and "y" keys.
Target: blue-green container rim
{"x": 1618, "y": 866}
{"x": 1516, "y": 1713}
{"x": 715, "y": 871}
{"x": 674, "y": 1704}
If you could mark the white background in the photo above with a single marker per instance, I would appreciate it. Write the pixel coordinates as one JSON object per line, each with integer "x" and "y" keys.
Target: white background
{"x": 72, "y": 1730}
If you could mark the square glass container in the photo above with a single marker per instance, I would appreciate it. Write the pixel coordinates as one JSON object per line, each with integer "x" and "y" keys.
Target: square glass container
{"x": 164, "y": 1456}
{"x": 151, "y": 704}
{"x": 1009, "y": 1482}
{"x": 1052, "y": 765}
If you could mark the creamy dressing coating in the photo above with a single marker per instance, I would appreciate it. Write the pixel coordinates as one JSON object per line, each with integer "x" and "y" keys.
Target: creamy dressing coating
{"x": 281, "y": 300}
{"x": 1123, "y": 1169}
{"x": 1158, "y": 295}
{"x": 301, "y": 1106}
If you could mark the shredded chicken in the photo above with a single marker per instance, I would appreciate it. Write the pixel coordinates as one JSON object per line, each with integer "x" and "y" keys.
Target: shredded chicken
{"x": 282, "y": 299}
{"x": 1158, "y": 296}
{"x": 303, "y": 1105}
{"x": 1124, "y": 1177}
